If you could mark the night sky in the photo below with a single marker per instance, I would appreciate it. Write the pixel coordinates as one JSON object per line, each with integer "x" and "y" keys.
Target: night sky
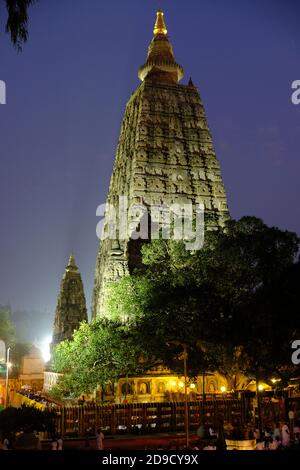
{"x": 66, "y": 94}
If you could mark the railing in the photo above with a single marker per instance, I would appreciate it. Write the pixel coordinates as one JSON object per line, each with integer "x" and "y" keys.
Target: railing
{"x": 146, "y": 417}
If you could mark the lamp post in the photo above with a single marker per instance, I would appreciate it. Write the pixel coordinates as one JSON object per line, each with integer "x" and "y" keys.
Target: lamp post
{"x": 186, "y": 411}
{"x": 258, "y": 390}
{"x": 184, "y": 356}
{"x": 7, "y": 373}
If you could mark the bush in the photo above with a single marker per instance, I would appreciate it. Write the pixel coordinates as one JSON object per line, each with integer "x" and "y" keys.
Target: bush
{"x": 27, "y": 419}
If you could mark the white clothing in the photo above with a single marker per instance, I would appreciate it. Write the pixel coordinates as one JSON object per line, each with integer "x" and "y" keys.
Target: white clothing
{"x": 59, "y": 444}
{"x": 285, "y": 435}
{"x": 54, "y": 445}
{"x": 277, "y": 432}
{"x": 5, "y": 444}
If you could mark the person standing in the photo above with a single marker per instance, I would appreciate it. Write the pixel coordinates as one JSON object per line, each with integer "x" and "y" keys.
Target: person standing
{"x": 5, "y": 445}
{"x": 267, "y": 437}
{"x": 274, "y": 444}
{"x": 59, "y": 443}
{"x": 99, "y": 439}
{"x": 276, "y": 432}
{"x": 285, "y": 433}
{"x": 297, "y": 432}
{"x": 260, "y": 445}
{"x": 54, "y": 444}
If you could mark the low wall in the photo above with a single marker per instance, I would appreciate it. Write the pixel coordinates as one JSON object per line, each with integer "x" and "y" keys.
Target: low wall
{"x": 17, "y": 400}
{"x": 246, "y": 444}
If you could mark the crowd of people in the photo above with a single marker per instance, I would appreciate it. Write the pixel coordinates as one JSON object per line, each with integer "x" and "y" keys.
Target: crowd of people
{"x": 281, "y": 436}
{"x": 57, "y": 442}
{"x": 276, "y": 436}
{"x": 38, "y": 397}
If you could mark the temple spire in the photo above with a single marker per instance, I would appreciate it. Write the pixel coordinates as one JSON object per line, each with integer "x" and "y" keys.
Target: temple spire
{"x": 71, "y": 307}
{"x": 160, "y": 25}
{"x": 166, "y": 135}
{"x": 72, "y": 264}
{"x": 160, "y": 65}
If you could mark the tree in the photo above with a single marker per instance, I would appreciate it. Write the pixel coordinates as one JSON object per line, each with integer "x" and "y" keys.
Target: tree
{"x": 127, "y": 300}
{"x": 18, "y": 351}
{"x": 225, "y": 302}
{"x": 267, "y": 341}
{"x": 218, "y": 300}
{"x": 17, "y": 21}
{"x": 27, "y": 419}
{"x": 8, "y": 335}
{"x": 99, "y": 353}
{"x": 7, "y": 331}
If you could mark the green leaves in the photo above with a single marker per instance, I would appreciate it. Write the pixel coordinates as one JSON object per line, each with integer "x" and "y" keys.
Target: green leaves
{"x": 221, "y": 295}
{"x": 99, "y": 354}
{"x": 227, "y": 302}
{"x": 127, "y": 299}
{"x": 7, "y": 330}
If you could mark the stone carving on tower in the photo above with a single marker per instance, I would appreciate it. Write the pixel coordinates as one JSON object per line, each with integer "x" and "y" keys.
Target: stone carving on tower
{"x": 71, "y": 306}
{"x": 165, "y": 155}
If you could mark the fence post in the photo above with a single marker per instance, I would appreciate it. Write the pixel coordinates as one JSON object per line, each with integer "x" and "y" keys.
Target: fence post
{"x": 128, "y": 417}
{"x": 113, "y": 419}
{"x": 62, "y": 422}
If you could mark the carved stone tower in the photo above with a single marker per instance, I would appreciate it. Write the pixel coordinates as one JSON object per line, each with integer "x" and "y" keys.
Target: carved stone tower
{"x": 165, "y": 155}
{"x": 71, "y": 307}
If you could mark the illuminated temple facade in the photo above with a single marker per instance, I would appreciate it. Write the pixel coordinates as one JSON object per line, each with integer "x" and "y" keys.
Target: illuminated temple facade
{"x": 165, "y": 156}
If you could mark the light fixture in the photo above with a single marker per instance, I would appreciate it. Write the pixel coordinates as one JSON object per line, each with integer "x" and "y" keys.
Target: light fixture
{"x": 223, "y": 389}
{"x": 275, "y": 380}
{"x": 260, "y": 387}
{"x": 192, "y": 386}
{"x": 181, "y": 384}
{"x": 173, "y": 383}
{"x": 44, "y": 347}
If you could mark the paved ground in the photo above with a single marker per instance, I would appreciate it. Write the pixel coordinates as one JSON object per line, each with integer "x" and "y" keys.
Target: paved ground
{"x": 150, "y": 442}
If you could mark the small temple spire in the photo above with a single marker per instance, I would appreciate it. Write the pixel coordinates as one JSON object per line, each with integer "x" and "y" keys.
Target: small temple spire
{"x": 71, "y": 305}
{"x": 72, "y": 264}
{"x": 160, "y": 25}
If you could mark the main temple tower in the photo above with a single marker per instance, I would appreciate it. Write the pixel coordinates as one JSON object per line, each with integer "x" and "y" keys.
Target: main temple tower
{"x": 165, "y": 155}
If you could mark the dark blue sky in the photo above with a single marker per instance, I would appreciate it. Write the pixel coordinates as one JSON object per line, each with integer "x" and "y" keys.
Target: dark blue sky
{"x": 66, "y": 94}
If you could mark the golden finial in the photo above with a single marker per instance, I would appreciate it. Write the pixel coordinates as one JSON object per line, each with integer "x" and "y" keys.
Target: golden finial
{"x": 160, "y": 25}
{"x": 71, "y": 263}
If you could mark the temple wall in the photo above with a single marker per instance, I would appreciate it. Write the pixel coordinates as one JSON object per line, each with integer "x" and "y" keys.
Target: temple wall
{"x": 165, "y": 155}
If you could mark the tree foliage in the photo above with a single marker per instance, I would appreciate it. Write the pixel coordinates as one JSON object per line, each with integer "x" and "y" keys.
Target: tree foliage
{"x": 233, "y": 305}
{"x": 226, "y": 302}
{"x": 27, "y": 419}
{"x": 99, "y": 353}
{"x": 7, "y": 330}
{"x": 8, "y": 335}
{"x": 18, "y": 351}
{"x": 17, "y": 21}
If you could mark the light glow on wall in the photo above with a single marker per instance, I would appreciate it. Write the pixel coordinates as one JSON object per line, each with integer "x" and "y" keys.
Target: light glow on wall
{"x": 44, "y": 347}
